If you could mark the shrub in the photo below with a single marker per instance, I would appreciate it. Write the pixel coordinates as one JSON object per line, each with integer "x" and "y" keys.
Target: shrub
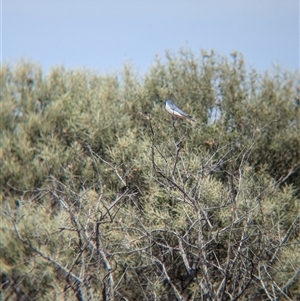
{"x": 105, "y": 196}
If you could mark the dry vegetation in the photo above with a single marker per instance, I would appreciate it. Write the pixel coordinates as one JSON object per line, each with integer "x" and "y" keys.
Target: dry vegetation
{"x": 105, "y": 197}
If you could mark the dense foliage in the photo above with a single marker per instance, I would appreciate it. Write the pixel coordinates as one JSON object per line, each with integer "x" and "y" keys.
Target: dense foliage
{"x": 106, "y": 197}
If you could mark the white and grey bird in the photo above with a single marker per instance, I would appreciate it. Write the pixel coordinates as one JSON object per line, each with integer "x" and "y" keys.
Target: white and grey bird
{"x": 175, "y": 111}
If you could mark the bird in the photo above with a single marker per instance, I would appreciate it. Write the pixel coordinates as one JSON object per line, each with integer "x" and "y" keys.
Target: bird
{"x": 175, "y": 111}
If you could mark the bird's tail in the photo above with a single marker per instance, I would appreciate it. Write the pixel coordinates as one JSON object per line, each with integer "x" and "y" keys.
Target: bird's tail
{"x": 191, "y": 118}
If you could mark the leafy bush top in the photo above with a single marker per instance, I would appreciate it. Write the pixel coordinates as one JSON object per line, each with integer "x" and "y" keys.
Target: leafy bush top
{"x": 103, "y": 192}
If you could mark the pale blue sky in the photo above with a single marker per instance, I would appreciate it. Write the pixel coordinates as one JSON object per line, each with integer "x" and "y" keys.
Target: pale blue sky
{"x": 102, "y": 35}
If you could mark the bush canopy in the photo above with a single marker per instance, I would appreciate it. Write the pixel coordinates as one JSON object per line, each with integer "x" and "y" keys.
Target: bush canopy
{"x": 105, "y": 196}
